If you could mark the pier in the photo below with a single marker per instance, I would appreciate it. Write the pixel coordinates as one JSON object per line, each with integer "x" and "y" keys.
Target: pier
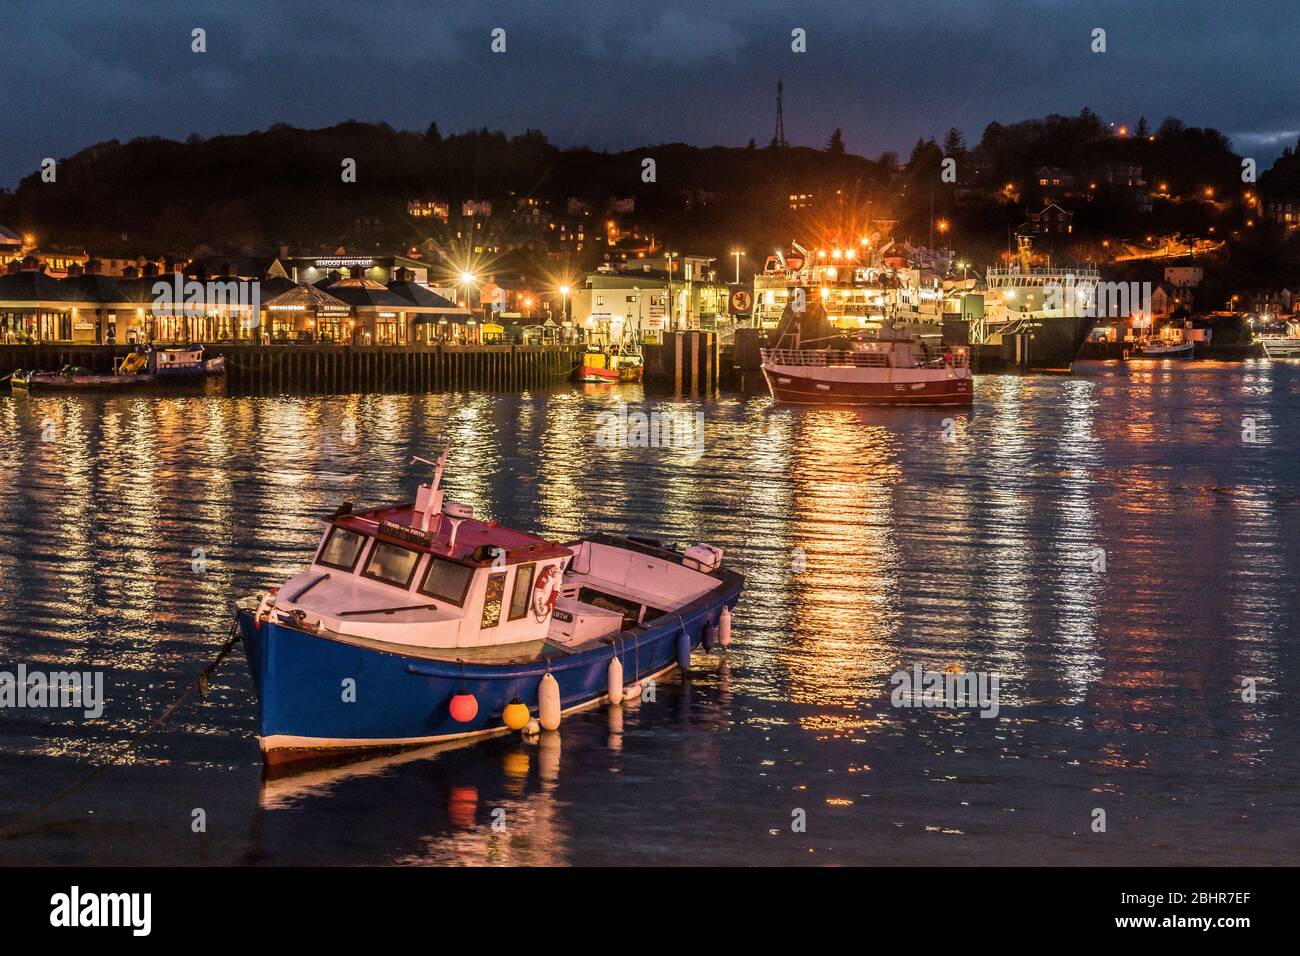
{"x": 686, "y": 362}
{"x": 341, "y": 369}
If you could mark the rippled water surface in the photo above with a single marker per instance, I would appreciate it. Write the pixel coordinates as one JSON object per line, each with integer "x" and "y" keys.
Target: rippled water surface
{"x": 1108, "y": 544}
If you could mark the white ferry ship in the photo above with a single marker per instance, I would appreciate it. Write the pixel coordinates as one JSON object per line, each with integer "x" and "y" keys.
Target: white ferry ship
{"x": 1052, "y": 308}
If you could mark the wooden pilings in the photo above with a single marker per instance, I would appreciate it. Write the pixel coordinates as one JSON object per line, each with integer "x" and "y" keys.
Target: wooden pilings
{"x": 260, "y": 370}
{"x": 686, "y": 362}
{"x": 327, "y": 370}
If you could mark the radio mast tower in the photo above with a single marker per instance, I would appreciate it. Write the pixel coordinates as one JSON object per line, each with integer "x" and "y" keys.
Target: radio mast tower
{"x": 779, "y": 139}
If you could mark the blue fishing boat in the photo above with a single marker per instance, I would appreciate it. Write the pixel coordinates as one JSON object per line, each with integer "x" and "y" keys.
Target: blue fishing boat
{"x": 420, "y": 623}
{"x": 187, "y": 363}
{"x": 143, "y": 365}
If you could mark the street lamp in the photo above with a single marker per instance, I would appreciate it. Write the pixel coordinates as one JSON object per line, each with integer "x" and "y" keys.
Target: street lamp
{"x": 564, "y": 308}
{"x": 467, "y": 279}
{"x": 737, "y": 253}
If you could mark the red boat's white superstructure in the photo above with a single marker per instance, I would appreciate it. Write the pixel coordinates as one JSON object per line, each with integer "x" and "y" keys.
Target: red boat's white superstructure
{"x": 884, "y": 370}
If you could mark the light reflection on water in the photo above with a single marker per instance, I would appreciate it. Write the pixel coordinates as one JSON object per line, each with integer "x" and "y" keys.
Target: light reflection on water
{"x": 868, "y": 542}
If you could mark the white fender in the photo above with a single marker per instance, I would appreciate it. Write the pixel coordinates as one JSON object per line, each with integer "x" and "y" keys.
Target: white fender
{"x": 615, "y": 680}
{"x": 724, "y": 626}
{"x": 548, "y": 703}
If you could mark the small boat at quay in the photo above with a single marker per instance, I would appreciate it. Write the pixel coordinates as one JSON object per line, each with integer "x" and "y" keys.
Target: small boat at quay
{"x": 1153, "y": 349}
{"x": 419, "y": 624}
{"x": 615, "y": 364}
{"x": 1280, "y": 346}
{"x": 143, "y": 366}
{"x": 884, "y": 369}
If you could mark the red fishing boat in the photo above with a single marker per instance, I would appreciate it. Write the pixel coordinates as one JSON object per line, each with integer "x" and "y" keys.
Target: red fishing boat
{"x": 886, "y": 369}
{"x": 617, "y": 364}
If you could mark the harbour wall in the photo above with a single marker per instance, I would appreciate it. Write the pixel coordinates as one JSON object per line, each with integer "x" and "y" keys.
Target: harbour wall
{"x": 330, "y": 369}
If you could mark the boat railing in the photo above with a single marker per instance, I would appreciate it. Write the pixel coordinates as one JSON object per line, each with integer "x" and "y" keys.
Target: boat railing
{"x": 823, "y": 358}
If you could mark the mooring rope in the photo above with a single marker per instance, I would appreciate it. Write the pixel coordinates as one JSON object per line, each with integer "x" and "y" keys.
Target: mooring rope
{"x": 200, "y": 682}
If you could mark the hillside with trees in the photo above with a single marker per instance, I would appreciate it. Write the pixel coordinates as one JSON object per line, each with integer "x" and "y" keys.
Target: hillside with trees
{"x": 283, "y": 186}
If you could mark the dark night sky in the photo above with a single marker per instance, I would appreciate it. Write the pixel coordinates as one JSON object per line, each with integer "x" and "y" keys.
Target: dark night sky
{"x": 623, "y": 74}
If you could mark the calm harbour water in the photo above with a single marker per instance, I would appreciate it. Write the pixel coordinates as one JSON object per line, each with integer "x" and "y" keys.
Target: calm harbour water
{"x": 869, "y": 544}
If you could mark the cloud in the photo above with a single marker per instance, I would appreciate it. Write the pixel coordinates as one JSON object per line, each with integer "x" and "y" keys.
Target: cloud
{"x": 680, "y": 39}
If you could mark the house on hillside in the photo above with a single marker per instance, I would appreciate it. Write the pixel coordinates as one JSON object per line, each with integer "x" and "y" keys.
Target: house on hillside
{"x": 1051, "y": 220}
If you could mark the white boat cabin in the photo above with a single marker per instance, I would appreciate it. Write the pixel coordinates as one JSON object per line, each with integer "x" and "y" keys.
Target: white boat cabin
{"x": 451, "y": 581}
{"x": 429, "y": 576}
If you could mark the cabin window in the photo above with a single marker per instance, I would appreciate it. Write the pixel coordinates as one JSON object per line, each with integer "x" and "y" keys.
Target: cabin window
{"x": 341, "y": 549}
{"x": 496, "y": 589}
{"x": 519, "y": 594}
{"x": 446, "y": 581}
{"x": 392, "y": 564}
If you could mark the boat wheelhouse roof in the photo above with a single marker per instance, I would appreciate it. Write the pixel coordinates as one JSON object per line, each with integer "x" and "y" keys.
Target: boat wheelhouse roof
{"x": 475, "y": 539}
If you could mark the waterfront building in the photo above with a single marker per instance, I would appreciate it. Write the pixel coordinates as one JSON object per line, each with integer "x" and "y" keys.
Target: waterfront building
{"x": 433, "y": 318}
{"x": 646, "y": 301}
{"x": 35, "y": 307}
{"x": 169, "y": 308}
{"x": 308, "y": 313}
{"x": 382, "y": 317}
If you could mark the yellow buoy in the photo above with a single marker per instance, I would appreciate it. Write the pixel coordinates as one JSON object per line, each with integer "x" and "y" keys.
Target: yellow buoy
{"x": 516, "y": 714}
{"x": 615, "y": 680}
{"x": 548, "y": 703}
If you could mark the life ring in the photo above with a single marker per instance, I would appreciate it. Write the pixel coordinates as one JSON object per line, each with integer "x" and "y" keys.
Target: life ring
{"x": 545, "y": 590}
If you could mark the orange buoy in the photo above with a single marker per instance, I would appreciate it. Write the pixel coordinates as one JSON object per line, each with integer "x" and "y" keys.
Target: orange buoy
{"x": 464, "y": 707}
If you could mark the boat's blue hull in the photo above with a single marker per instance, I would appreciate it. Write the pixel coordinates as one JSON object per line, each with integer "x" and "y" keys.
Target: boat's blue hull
{"x": 307, "y": 707}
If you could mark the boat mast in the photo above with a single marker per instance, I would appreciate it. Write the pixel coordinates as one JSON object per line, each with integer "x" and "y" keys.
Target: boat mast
{"x": 428, "y": 498}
